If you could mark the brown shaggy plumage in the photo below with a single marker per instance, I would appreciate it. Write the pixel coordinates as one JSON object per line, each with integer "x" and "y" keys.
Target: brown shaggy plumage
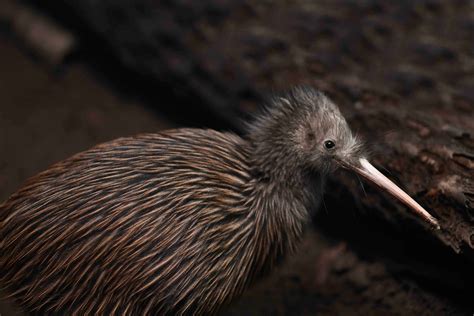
{"x": 176, "y": 222}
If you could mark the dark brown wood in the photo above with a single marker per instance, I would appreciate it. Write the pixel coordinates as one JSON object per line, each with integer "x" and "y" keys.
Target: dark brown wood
{"x": 401, "y": 71}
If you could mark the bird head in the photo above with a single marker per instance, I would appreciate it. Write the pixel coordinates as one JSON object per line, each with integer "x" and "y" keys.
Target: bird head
{"x": 304, "y": 129}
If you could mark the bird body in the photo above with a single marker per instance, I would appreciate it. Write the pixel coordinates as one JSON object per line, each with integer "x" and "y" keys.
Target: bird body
{"x": 117, "y": 221}
{"x": 175, "y": 222}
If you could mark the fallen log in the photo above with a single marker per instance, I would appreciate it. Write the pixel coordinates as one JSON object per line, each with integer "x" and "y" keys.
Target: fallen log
{"x": 401, "y": 72}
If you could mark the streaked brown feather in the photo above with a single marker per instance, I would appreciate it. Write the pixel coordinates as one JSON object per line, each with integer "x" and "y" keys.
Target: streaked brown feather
{"x": 169, "y": 223}
{"x": 176, "y": 222}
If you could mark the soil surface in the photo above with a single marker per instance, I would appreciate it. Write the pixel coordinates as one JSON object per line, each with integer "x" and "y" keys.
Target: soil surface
{"x": 47, "y": 116}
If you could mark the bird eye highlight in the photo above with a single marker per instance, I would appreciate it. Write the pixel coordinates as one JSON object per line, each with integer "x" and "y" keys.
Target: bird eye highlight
{"x": 329, "y": 144}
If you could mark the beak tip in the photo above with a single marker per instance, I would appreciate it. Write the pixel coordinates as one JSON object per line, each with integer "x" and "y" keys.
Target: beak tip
{"x": 371, "y": 173}
{"x": 434, "y": 223}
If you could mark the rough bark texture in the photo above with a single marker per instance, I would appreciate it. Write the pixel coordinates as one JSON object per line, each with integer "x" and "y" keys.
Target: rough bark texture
{"x": 403, "y": 72}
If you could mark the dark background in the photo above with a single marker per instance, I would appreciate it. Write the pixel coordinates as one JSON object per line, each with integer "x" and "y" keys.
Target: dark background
{"x": 402, "y": 73}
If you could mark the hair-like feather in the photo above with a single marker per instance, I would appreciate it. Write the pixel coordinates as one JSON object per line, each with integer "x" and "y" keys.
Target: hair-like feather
{"x": 175, "y": 222}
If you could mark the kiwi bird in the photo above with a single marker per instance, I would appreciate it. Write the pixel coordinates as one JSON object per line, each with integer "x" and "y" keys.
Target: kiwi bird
{"x": 176, "y": 222}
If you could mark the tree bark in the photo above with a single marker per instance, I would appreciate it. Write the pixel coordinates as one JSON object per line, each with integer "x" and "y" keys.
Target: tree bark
{"x": 402, "y": 72}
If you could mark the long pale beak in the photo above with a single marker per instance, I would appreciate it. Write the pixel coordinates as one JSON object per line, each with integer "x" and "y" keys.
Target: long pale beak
{"x": 368, "y": 171}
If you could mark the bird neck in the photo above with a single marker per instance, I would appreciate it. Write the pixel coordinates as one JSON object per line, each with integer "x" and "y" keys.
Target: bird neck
{"x": 281, "y": 214}
{"x": 280, "y": 196}
{"x": 274, "y": 165}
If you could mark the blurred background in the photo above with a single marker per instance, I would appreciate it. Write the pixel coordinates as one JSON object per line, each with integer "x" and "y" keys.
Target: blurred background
{"x": 77, "y": 73}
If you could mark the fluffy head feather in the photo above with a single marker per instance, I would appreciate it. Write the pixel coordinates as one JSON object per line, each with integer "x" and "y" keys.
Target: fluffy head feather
{"x": 293, "y": 130}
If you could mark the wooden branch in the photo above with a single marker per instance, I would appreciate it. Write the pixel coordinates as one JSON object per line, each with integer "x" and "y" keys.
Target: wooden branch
{"x": 225, "y": 52}
{"x": 46, "y": 39}
{"x": 401, "y": 71}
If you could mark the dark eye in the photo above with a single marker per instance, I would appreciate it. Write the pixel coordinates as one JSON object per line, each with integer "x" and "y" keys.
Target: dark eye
{"x": 329, "y": 144}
